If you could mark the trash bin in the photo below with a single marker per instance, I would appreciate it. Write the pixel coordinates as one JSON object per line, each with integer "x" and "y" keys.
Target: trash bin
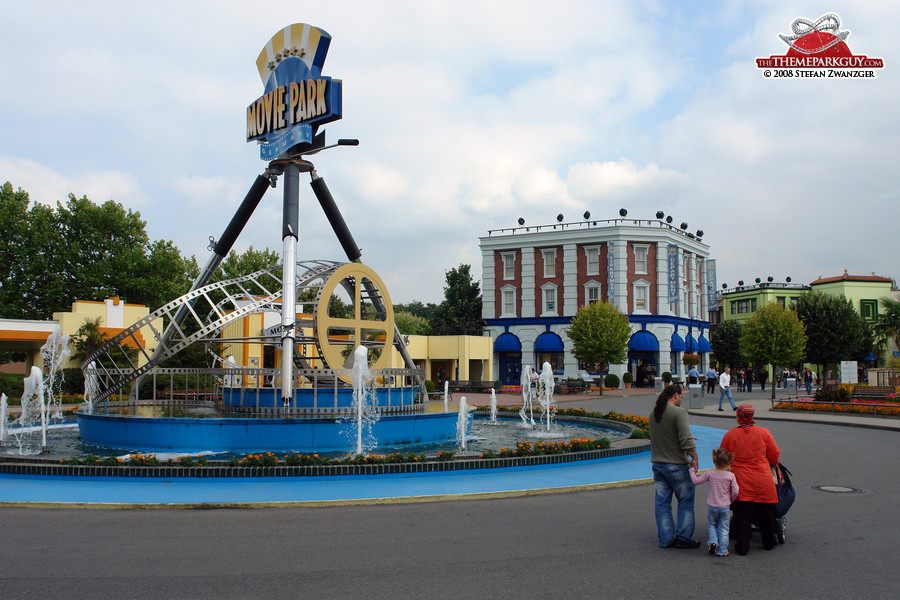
{"x": 696, "y": 395}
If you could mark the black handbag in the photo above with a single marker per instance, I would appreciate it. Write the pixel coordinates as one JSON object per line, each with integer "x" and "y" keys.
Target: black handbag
{"x": 785, "y": 491}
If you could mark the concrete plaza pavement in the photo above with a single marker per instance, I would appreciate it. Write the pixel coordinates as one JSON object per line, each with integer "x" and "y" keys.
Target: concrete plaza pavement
{"x": 600, "y": 543}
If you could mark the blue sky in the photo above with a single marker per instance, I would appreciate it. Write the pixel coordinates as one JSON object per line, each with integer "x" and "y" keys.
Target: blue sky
{"x": 470, "y": 115}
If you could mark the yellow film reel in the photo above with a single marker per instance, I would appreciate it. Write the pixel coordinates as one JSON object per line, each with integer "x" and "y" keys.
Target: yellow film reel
{"x": 364, "y": 317}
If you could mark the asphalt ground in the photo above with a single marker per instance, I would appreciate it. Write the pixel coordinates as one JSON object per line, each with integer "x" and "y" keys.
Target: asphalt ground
{"x": 579, "y": 544}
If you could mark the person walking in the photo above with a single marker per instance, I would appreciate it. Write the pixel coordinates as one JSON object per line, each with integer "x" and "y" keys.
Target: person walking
{"x": 755, "y": 454}
{"x": 808, "y": 380}
{"x": 725, "y": 388}
{"x": 748, "y": 379}
{"x": 723, "y": 490}
{"x": 711, "y": 377}
{"x": 672, "y": 452}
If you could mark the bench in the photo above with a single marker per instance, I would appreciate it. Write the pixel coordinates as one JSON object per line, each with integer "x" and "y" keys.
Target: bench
{"x": 871, "y": 392}
{"x": 571, "y": 387}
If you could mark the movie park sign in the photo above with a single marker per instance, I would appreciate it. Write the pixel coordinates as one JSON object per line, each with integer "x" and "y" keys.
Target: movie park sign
{"x": 297, "y": 98}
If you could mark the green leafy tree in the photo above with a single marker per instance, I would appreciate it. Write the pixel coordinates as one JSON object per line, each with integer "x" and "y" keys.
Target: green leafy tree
{"x": 600, "y": 334}
{"x": 834, "y": 330}
{"x": 460, "y": 312}
{"x": 418, "y": 309}
{"x": 410, "y": 324}
{"x": 773, "y": 335}
{"x": 52, "y": 256}
{"x": 726, "y": 344}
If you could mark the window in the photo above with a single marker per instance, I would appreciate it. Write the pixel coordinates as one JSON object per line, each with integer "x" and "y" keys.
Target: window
{"x": 640, "y": 259}
{"x": 549, "y": 295}
{"x": 641, "y": 293}
{"x": 591, "y": 293}
{"x": 509, "y": 301}
{"x": 509, "y": 265}
{"x": 549, "y": 263}
{"x": 868, "y": 309}
{"x": 741, "y": 307}
{"x": 592, "y": 256}
{"x": 781, "y": 301}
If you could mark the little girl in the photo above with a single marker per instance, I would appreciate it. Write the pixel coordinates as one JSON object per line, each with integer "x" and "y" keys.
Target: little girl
{"x": 723, "y": 490}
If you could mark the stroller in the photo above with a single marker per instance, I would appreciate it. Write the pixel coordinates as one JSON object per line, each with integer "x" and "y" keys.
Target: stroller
{"x": 786, "y": 495}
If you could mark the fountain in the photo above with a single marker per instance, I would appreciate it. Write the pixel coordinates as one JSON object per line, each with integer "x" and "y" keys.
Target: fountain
{"x": 462, "y": 424}
{"x": 493, "y": 406}
{"x": 365, "y": 413}
{"x": 545, "y": 394}
{"x": 529, "y": 389}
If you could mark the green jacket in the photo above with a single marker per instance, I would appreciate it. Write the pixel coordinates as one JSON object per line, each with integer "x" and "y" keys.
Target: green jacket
{"x": 671, "y": 438}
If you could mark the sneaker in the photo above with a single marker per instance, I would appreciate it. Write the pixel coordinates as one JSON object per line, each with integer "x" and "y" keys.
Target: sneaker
{"x": 712, "y": 548}
{"x": 723, "y": 555}
{"x": 721, "y": 410}
{"x": 686, "y": 544}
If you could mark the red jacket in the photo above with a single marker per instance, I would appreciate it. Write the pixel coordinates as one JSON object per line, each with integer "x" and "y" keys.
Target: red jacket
{"x": 755, "y": 453}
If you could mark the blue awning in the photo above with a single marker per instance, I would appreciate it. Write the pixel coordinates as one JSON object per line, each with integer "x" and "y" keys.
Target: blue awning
{"x": 690, "y": 344}
{"x": 643, "y": 341}
{"x": 507, "y": 342}
{"x": 677, "y": 344}
{"x": 704, "y": 344}
{"x": 548, "y": 342}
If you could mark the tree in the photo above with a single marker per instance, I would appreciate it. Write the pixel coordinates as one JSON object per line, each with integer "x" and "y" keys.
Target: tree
{"x": 834, "y": 330}
{"x": 774, "y": 335}
{"x": 51, "y": 257}
{"x": 600, "y": 334}
{"x": 410, "y": 324}
{"x": 460, "y": 312}
{"x": 887, "y": 324}
{"x": 417, "y": 308}
{"x": 726, "y": 344}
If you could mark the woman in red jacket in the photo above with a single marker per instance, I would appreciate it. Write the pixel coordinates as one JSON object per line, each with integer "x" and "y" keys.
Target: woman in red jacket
{"x": 755, "y": 453}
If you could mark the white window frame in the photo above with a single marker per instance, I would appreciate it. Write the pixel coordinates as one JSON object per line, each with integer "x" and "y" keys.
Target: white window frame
{"x": 592, "y": 260}
{"x": 549, "y": 307}
{"x": 644, "y": 286}
{"x": 507, "y": 297}
{"x": 549, "y": 258}
{"x": 509, "y": 265}
{"x": 588, "y": 288}
{"x": 637, "y": 249}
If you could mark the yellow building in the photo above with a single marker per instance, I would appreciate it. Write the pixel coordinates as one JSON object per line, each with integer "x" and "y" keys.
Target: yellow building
{"x": 23, "y": 335}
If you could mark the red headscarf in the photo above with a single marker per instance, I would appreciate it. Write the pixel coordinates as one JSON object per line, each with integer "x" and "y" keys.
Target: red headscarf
{"x": 745, "y": 415}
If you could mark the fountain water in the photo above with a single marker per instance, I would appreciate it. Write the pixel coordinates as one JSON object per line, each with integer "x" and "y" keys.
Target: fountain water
{"x": 462, "y": 424}
{"x": 493, "y": 406}
{"x": 528, "y": 392}
{"x": 446, "y": 395}
{"x": 365, "y": 413}
{"x": 4, "y": 415}
{"x": 545, "y": 394}
{"x": 55, "y": 352}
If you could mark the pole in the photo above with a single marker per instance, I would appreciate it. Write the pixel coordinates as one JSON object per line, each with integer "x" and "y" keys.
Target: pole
{"x": 290, "y": 219}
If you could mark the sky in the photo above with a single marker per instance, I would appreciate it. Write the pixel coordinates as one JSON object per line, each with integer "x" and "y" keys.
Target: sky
{"x": 469, "y": 116}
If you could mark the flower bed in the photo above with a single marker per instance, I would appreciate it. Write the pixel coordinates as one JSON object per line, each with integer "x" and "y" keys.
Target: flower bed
{"x": 864, "y": 407}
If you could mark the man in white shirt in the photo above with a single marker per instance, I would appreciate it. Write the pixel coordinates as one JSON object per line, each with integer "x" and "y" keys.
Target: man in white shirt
{"x": 725, "y": 388}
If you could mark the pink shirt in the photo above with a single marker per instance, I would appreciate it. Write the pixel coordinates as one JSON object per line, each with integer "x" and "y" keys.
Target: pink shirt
{"x": 723, "y": 487}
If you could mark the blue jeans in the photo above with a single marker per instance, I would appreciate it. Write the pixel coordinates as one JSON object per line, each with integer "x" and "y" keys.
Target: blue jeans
{"x": 673, "y": 479}
{"x": 717, "y": 523}
{"x": 722, "y": 393}
{"x": 809, "y": 388}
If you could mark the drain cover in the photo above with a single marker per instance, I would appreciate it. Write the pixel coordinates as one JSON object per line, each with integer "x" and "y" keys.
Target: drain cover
{"x": 839, "y": 489}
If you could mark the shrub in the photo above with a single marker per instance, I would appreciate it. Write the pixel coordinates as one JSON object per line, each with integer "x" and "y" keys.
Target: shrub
{"x": 831, "y": 393}
{"x": 627, "y": 377}
{"x": 611, "y": 381}
{"x": 667, "y": 377}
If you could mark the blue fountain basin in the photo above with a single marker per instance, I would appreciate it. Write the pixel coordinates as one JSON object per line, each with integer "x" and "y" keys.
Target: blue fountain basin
{"x": 244, "y": 435}
{"x": 317, "y": 400}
